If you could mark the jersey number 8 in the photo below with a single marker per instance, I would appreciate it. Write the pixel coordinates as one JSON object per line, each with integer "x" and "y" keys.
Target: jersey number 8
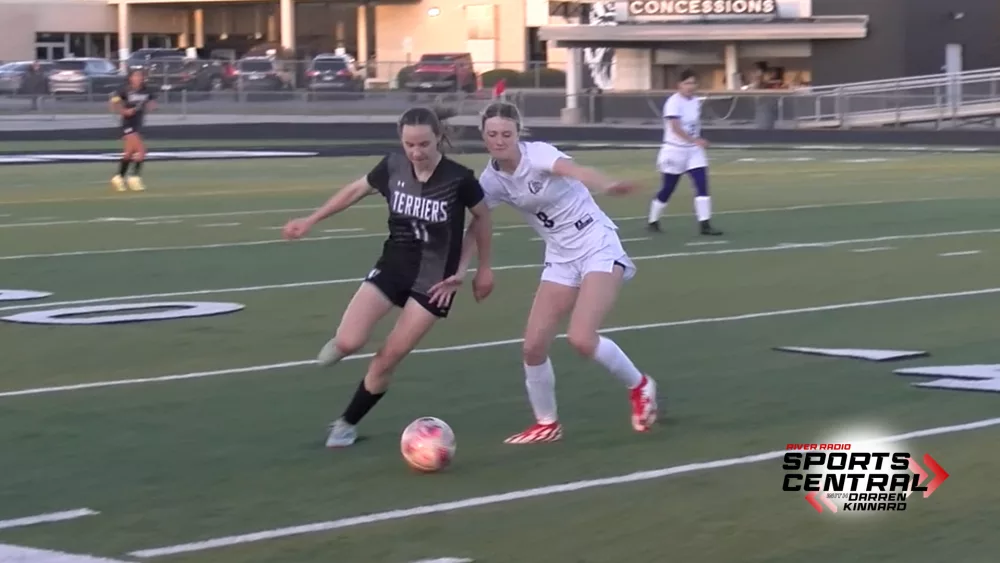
{"x": 420, "y": 231}
{"x": 546, "y": 222}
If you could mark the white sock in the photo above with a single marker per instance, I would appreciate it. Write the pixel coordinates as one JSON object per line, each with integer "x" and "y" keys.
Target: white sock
{"x": 609, "y": 355}
{"x": 656, "y": 208}
{"x": 329, "y": 354}
{"x": 540, "y": 381}
{"x": 703, "y": 207}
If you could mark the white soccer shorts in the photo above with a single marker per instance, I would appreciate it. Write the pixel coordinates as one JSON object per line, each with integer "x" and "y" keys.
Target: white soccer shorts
{"x": 571, "y": 274}
{"x": 677, "y": 160}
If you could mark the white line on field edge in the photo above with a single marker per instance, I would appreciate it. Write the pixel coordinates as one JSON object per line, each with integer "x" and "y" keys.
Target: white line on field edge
{"x": 104, "y": 220}
{"x": 444, "y": 560}
{"x": 19, "y": 554}
{"x": 46, "y": 518}
{"x": 296, "y": 285}
{"x": 495, "y": 343}
{"x": 518, "y": 495}
{"x": 874, "y": 249}
{"x": 962, "y": 253}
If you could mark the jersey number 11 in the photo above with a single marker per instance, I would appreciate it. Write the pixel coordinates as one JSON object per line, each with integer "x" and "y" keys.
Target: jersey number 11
{"x": 420, "y": 231}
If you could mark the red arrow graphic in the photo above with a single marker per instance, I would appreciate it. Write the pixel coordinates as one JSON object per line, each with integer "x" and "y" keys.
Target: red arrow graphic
{"x": 811, "y": 499}
{"x": 919, "y": 472}
{"x": 940, "y": 475}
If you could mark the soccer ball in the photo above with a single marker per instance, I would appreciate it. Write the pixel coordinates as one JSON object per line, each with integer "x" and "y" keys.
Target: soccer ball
{"x": 428, "y": 444}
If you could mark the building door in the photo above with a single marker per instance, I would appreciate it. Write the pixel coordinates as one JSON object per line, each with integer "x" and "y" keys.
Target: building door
{"x": 50, "y": 51}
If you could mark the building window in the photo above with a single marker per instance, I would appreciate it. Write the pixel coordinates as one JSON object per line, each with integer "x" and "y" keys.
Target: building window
{"x": 480, "y": 20}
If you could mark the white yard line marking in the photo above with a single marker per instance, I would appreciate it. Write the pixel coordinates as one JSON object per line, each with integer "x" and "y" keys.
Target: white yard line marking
{"x": 295, "y": 285}
{"x": 46, "y": 518}
{"x": 212, "y": 225}
{"x": 371, "y": 235}
{"x": 708, "y": 243}
{"x": 962, "y": 253}
{"x": 37, "y": 222}
{"x": 19, "y": 554}
{"x": 511, "y": 496}
{"x": 144, "y": 223}
{"x": 873, "y": 249}
{"x": 636, "y": 239}
{"x": 189, "y": 247}
{"x": 444, "y": 560}
{"x": 355, "y": 230}
{"x": 496, "y": 343}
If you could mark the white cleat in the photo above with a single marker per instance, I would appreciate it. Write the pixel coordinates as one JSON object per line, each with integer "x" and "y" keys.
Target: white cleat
{"x": 644, "y": 407}
{"x": 537, "y": 434}
{"x": 341, "y": 435}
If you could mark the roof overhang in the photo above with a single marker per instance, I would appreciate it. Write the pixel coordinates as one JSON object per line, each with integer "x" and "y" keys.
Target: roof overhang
{"x": 821, "y": 27}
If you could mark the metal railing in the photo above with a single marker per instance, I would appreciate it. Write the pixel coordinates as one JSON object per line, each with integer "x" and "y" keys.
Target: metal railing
{"x": 939, "y": 98}
{"x": 766, "y": 109}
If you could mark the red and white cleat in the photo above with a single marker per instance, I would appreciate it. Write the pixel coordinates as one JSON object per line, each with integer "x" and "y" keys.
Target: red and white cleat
{"x": 536, "y": 434}
{"x": 644, "y": 407}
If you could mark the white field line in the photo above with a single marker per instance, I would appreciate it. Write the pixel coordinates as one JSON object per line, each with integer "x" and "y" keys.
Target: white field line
{"x": 187, "y": 247}
{"x": 445, "y": 560}
{"x": 874, "y": 249}
{"x": 19, "y": 554}
{"x": 962, "y": 253}
{"x": 496, "y": 343}
{"x": 295, "y": 285}
{"x": 104, "y": 220}
{"x": 511, "y": 496}
{"x": 46, "y": 518}
{"x": 636, "y": 239}
{"x": 210, "y": 225}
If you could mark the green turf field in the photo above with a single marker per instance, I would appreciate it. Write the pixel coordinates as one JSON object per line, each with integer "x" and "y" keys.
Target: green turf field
{"x": 825, "y": 249}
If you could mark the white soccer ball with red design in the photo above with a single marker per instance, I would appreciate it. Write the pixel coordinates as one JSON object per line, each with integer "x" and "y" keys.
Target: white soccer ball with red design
{"x": 428, "y": 444}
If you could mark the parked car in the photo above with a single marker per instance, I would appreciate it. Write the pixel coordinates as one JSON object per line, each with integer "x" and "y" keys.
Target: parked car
{"x": 448, "y": 72}
{"x": 12, "y": 75}
{"x": 143, "y": 57}
{"x": 263, "y": 74}
{"x": 85, "y": 76}
{"x": 334, "y": 73}
{"x": 179, "y": 74}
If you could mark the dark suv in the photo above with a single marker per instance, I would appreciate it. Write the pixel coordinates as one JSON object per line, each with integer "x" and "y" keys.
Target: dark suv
{"x": 263, "y": 74}
{"x": 334, "y": 73}
{"x": 449, "y": 72}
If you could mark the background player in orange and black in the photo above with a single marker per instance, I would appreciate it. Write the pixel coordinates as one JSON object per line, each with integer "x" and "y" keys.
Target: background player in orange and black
{"x": 132, "y": 101}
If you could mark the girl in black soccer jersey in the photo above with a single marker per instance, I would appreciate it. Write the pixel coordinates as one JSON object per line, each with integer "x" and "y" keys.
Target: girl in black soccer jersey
{"x": 132, "y": 101}
{"x": 422, "y": 264}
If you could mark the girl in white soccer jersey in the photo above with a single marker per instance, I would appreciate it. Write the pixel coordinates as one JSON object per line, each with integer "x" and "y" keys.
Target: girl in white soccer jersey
{"x": 585, "y": 264}
{"x": 683, "y": 151}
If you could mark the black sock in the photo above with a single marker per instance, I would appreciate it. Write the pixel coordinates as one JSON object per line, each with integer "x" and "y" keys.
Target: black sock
{"x": 362, "y": 402}
{"x": 123, "y": 167}
{"x": 136, "y": 166}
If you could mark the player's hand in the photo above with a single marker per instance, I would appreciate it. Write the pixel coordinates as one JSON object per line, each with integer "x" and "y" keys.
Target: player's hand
{"x": 482, "y": 284}
{"x": 129, "y": 112}
{"x": 701, "y": 143}
{"x": 621, "y": 188}
{"x": 296, "y": 228}
{"x": 444, "y": 291}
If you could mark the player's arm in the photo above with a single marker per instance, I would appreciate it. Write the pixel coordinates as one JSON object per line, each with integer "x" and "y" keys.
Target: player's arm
{"x": 115, "y": 104}
{"x": 479, "y": 235}
{"x": 674, "y": 123}
{"x": 478, "y": 238}
{"x": 344, "y": 198}
{"x": 594, "y": 179}
{"x": 151, "y": 103}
